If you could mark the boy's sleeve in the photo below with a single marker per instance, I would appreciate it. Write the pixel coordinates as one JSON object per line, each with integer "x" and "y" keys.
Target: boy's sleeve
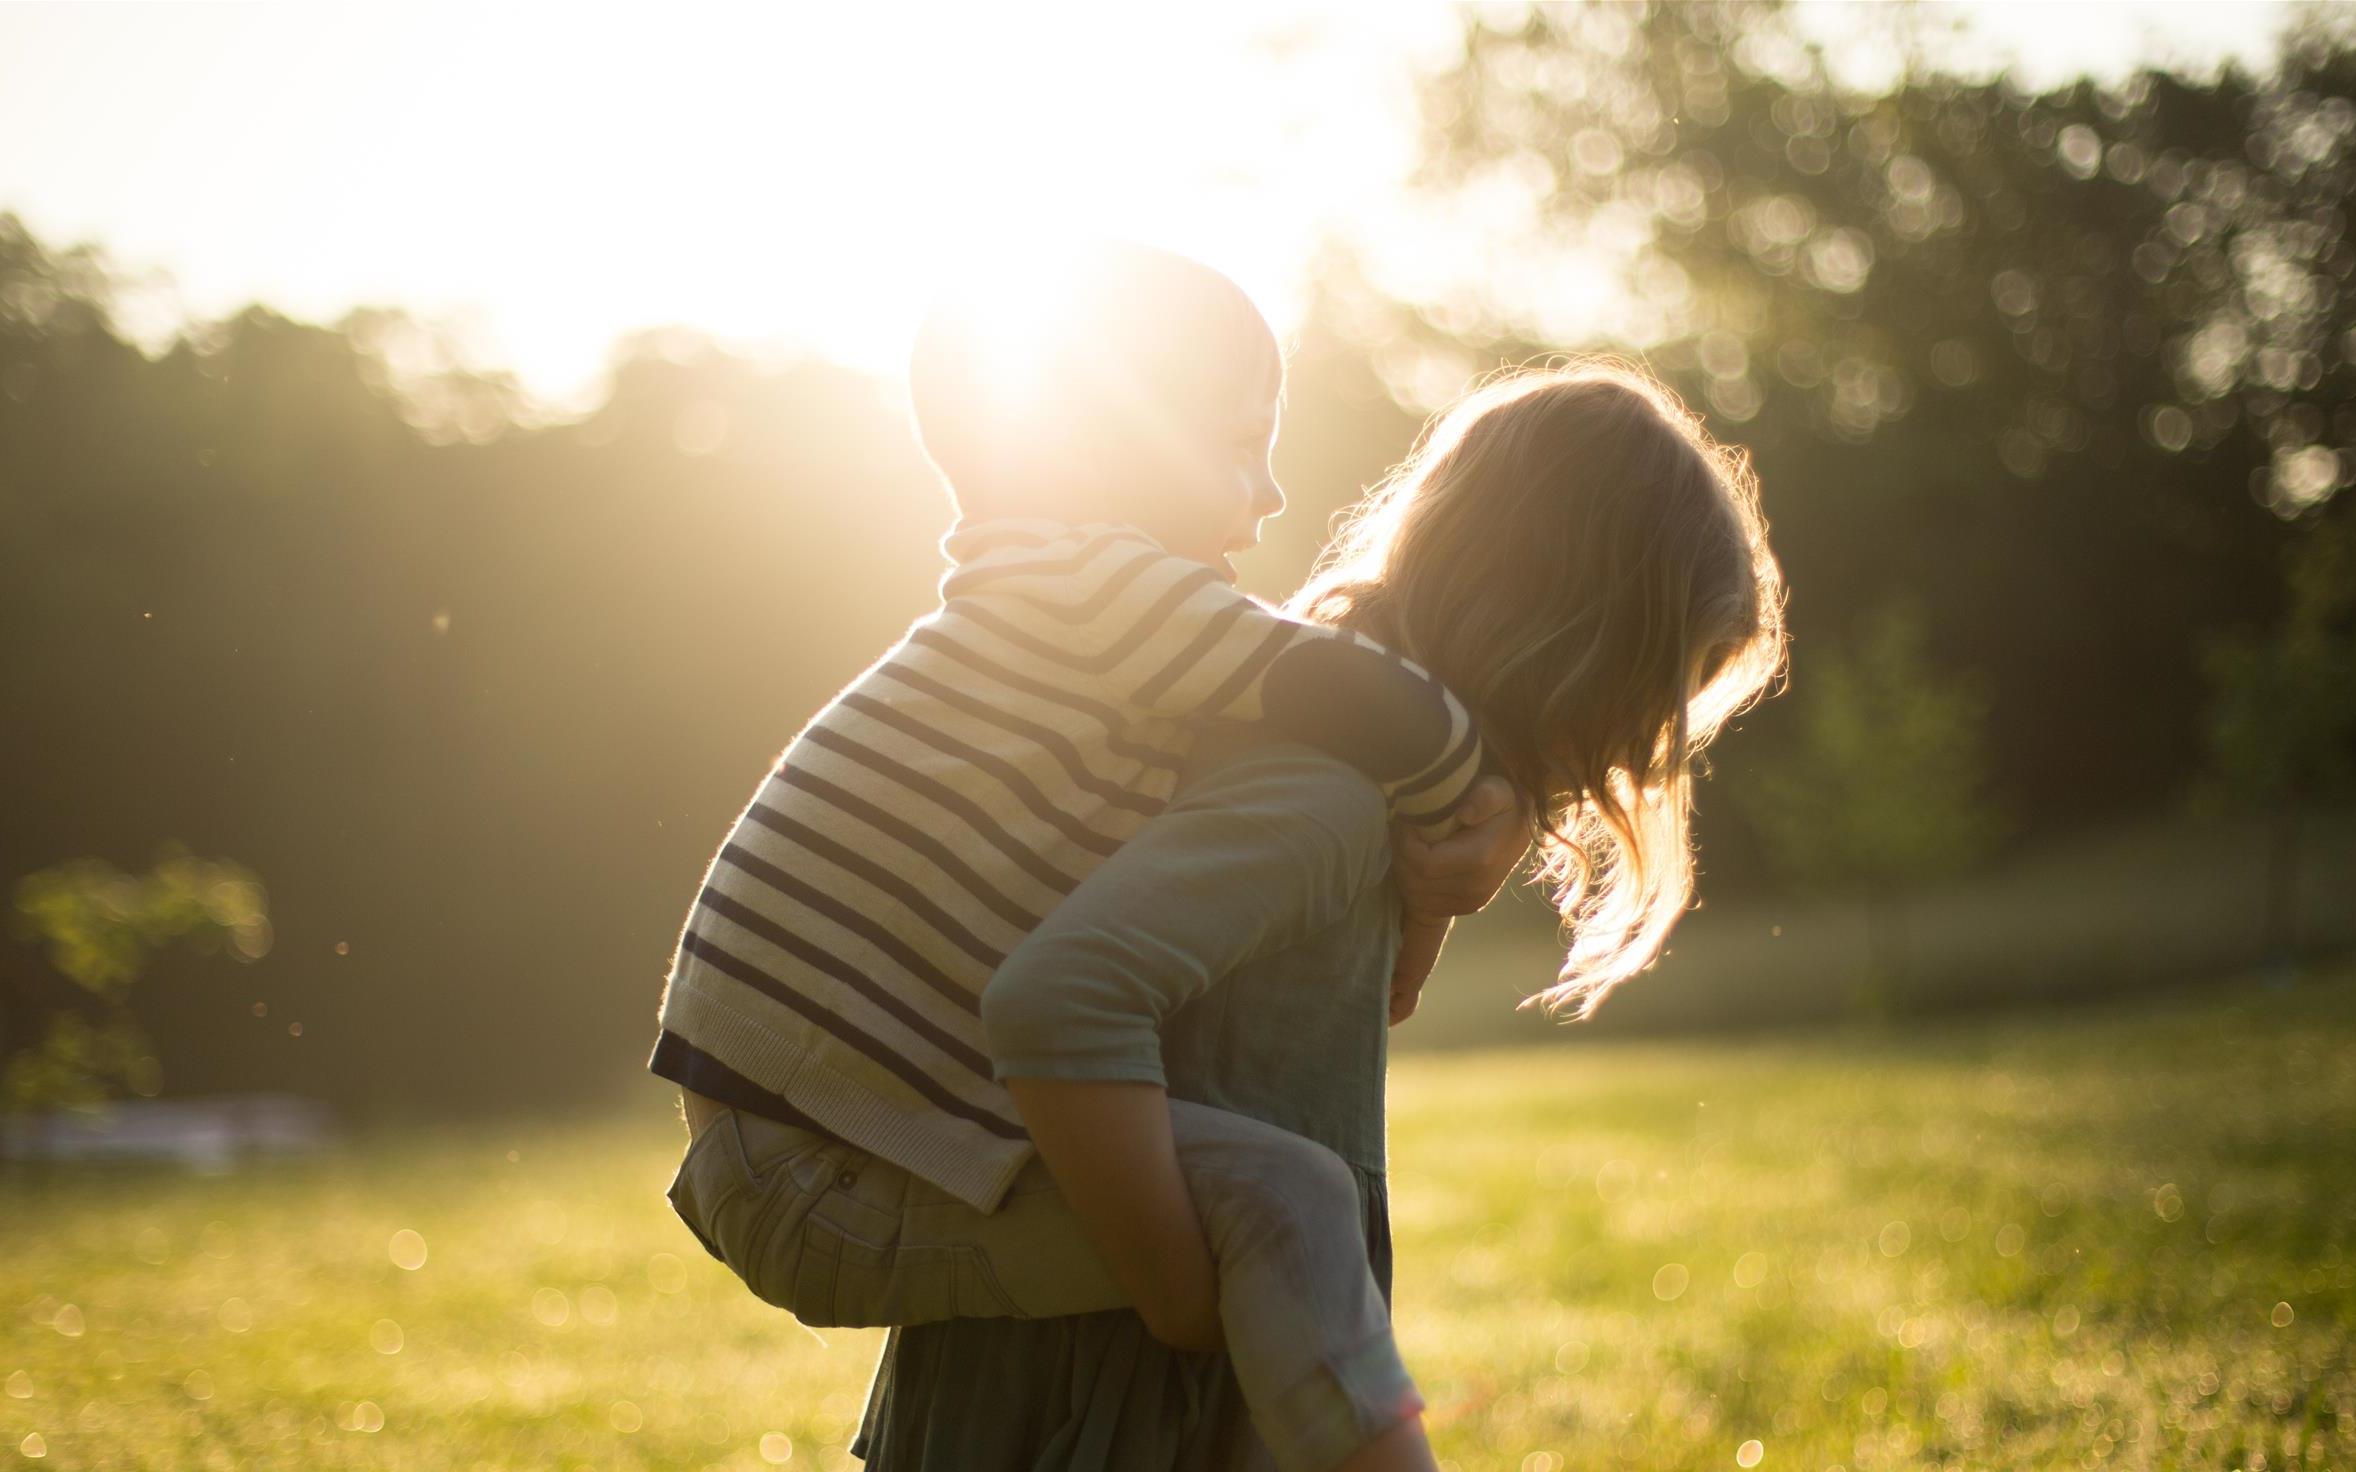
{"x": 1164, "y": 636}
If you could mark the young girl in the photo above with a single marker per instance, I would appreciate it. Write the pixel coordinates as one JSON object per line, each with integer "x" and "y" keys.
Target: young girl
{"x": 1571, "y": 553}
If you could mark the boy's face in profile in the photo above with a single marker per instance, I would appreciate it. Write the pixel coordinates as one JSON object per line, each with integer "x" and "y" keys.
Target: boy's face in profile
{"x": 1222, "y": 487}
{"x": 1134, "y": 386}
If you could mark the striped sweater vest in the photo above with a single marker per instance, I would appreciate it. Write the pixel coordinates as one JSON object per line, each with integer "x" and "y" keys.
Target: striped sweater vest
{"x": 937, "y": 809}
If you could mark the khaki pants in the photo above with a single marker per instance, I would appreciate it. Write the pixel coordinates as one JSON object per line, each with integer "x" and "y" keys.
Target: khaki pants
{"x": 840, "y": 1238}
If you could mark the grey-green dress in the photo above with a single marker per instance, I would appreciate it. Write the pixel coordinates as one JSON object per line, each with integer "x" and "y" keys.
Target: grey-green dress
{"x": 1238, "y": 949}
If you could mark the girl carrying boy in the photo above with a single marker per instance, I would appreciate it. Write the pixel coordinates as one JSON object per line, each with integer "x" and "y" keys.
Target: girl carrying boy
{"x": 978, "y": 881}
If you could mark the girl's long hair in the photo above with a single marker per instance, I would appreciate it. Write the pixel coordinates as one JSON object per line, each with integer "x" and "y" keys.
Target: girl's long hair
{"x": 1570, "y": 551}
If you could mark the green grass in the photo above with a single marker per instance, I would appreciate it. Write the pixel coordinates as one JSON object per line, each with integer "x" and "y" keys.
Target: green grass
{"x": 2123, "y": 1237}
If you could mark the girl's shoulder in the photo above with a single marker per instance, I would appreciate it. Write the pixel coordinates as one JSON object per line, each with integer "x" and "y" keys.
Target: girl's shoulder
{"x": 1291, "y": 788}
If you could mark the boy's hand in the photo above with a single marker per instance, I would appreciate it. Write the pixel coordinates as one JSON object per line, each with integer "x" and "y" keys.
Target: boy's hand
{"x": 1453, "y": 870}
{"x": 1457, "y": 868}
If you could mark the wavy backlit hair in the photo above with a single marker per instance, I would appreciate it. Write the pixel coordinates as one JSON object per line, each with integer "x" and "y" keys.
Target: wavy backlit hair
{"x": 1574, "y": 555}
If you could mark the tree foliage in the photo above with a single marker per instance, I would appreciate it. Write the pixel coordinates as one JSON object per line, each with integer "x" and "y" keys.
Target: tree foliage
{"x": 2066, "y": 366}
{"x": 478, "y": 689}
{"x": 478, "y": 693}
{"x": 98, "y": 927}
{"x": 2282, "y": 721}
{"x": 2124, "y": 273}
{"x": 1886, "y": 788}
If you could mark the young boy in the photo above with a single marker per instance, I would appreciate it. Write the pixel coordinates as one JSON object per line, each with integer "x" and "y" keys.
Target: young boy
{"x": 853, "y": 1149}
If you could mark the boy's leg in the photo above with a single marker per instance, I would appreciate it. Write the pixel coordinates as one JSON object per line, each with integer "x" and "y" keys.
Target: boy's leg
{"x": 744, "y": 1188}
{"x": 841, "y": 1238}
{"x": 1306, "y": 1323}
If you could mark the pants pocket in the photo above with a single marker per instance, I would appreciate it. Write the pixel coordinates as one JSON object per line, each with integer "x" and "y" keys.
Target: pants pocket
{"x": 709, "y": 1190}
{"x": 744, "y": 1192}
{"x": 853, "y": 1283}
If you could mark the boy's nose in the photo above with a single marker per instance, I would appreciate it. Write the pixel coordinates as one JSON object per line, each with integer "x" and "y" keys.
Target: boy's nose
{"x": 1270, "y": 500}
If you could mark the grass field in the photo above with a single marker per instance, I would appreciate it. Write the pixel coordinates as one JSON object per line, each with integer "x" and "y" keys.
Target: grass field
{"x": 2118, "y": 1237}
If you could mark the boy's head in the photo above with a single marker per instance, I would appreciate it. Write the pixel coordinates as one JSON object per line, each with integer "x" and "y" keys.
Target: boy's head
{"x": 1114, "y": 382}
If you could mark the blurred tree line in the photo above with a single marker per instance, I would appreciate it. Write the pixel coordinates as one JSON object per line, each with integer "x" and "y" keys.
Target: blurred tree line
{"x": 475, "y": 694}
{"x": 474, "y": 698}
{"x": 2072, "y": 371}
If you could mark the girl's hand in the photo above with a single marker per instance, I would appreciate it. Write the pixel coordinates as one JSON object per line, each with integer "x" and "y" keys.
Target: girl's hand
{"x": 1420, "y": 940}
{"x": 1458, "y": 868}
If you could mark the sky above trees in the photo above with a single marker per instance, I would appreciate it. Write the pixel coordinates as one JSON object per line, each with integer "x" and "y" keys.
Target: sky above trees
{"x": 780, "y": 177}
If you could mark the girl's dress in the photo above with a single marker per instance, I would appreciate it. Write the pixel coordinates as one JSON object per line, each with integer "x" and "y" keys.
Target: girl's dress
{"x": 1290, "y": 849}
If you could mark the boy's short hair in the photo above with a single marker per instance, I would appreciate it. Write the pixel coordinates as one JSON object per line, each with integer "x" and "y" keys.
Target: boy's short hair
{"x": 1038, "y": 396}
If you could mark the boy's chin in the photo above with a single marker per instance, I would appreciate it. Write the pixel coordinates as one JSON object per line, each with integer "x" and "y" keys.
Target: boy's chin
{"x": 1222, "y": 563}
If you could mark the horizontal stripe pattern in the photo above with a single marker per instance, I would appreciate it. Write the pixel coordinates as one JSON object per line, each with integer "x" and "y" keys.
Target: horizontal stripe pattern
{"x": 939, "y": 808}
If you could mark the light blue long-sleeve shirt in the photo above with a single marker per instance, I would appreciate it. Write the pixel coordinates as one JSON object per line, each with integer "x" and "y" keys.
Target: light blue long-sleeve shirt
{"x": 1238, "y": 950}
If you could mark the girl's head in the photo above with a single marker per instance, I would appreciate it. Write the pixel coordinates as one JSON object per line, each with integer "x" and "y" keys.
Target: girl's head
{"x": 1571, "y": 552}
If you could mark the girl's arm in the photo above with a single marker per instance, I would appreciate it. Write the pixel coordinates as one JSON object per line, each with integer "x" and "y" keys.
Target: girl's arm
{"x": 1110, "y": 1149}
{"x": 1255, "y": 857}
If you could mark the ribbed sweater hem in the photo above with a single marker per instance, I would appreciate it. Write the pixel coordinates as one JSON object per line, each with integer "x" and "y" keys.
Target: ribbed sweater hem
{"x": 960, "y": 1158}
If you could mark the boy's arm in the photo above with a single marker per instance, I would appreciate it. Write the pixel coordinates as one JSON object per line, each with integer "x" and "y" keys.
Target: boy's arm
{"x": 1164, "y": 636}
{"x": 1352, "y": 698}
